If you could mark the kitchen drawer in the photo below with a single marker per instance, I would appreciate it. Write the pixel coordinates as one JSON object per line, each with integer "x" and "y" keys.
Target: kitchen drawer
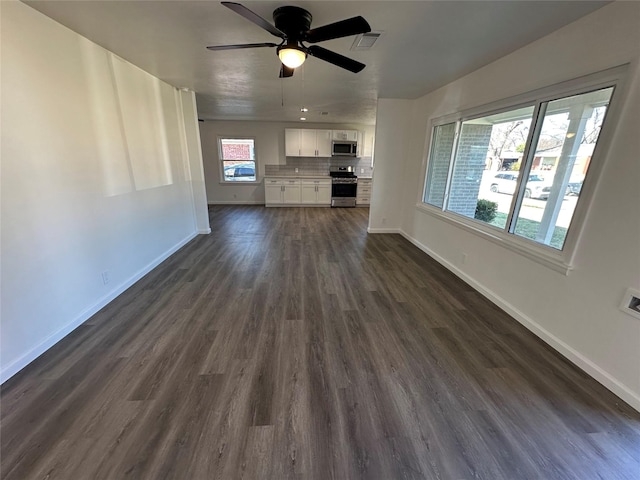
{"x": 313, "y": 181}
{"x": 281, "y": 181}
{"x": 363, "y": 194}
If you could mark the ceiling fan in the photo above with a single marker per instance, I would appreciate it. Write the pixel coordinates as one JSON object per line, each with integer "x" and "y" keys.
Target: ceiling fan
{"x": 293, "y": 26}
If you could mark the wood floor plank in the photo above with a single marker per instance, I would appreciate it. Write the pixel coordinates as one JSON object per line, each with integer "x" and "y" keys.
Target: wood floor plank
{"x": 291, "y": 344}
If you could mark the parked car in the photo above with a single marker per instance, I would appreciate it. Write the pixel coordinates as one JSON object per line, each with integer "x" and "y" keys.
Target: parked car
{"x": 574, "y": 188}
{"x": 537, "y": 186}
{"x": 241, "y": 171}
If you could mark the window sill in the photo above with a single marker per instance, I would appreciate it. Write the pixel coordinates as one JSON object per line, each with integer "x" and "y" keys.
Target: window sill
{"x": 555, "y": 260}
{"x": 235, "y": 184}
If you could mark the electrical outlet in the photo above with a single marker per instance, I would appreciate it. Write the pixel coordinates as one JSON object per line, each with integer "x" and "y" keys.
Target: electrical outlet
{"x": 105, "y": 277}
{"x": 463, "y": 258}
{"x": 362, "y": 170}
{"x": 296, "y": 169}
{"x": 384, "y": 220}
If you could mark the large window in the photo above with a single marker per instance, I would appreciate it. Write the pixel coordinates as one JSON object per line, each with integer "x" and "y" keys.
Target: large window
{"x": 237, "y": 159}
{"x": 518, "y": 170}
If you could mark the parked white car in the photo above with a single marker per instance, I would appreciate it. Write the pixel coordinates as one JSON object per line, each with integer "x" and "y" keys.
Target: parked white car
{"x": 537, "y": 186}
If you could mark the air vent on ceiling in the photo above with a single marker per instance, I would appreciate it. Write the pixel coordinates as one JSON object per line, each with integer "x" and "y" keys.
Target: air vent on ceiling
{"x": 366, "y": 41}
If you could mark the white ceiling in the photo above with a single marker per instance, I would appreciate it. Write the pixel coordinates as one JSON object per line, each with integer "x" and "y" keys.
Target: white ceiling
{"x": 425, "y": 45}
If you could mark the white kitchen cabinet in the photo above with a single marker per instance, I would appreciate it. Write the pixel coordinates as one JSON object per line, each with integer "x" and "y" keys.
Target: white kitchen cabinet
{"x": 368, "y": 142}
{"x": 291, "y": 191}
{"x": 324, "y": 193}
{"x": 306, "y": 142}
{"x": 323, "y": 143}
{"x": 282, "y": 191}
{"x": 316, "y": 192}
{"x": 292, "y": 139}
{"x": 363, "y": 193}
{"x": 309, "y": 194}
{"x": 272, "y": 191}
{"x": 350, "y": 135}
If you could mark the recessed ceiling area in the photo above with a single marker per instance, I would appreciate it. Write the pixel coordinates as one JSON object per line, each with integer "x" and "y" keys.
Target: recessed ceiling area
{"x": 425, "y": 45}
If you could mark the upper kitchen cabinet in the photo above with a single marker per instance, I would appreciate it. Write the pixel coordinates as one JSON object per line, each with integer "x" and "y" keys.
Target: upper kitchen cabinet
{"x": 303, "y": 142}
{"x": 350, "y": 135}
{"x": 365, "y": 144}
{"x": 292, "y": 142}
{"x": 323, "y": 143}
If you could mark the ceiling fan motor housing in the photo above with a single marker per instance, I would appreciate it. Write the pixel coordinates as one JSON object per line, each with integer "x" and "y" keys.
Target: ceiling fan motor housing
{"x": 293, "y": 21}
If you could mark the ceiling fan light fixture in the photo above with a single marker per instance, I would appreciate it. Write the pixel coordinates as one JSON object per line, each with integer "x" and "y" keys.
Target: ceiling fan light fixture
{"x": 291, "y": 56}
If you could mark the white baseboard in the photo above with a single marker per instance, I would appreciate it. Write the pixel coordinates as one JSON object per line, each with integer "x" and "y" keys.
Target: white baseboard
{"x": 14, "y": 367}
{"x": 563, "y": 348}
{"x": 384, "y": 230}
{"x": 204, "y": 231}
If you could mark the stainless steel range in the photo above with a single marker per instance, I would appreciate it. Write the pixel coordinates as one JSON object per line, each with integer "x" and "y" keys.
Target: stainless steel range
{"x": 344, "y": 185}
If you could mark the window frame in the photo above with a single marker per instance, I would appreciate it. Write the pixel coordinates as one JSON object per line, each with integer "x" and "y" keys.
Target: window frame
{"x": 558, "y": 260}
{"x": 221, "y": 160}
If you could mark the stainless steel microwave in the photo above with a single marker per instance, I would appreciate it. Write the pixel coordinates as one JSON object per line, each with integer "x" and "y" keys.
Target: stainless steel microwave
{"x": 344, "y": 148}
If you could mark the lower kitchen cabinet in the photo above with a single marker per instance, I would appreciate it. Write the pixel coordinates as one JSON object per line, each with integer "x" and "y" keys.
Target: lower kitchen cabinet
{"x": 296, "y": 191}
{"x": 316, "y": 192}
{"x": 282, "y": 191}
{"x": 363, "y": 194}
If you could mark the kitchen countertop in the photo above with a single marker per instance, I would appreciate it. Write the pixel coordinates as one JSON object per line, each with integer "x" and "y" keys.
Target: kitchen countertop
{"x": 364, "y": 177}
{"x": 297, "y": 176}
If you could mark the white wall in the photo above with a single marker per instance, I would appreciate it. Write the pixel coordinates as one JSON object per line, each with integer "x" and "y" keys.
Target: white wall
{"x": 194, "y": 168}
{"x": 270, "y": 150}
{"x": 577, "y": 314}
{"x": 392, "y": 147}
{"x": 95, "y": 156}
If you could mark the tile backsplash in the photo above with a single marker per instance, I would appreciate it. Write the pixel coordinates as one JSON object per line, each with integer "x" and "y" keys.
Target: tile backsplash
{"x": 318, "y": 166}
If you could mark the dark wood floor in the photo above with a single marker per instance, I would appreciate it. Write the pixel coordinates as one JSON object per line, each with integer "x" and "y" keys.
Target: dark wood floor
{"x": 291, "y": 344}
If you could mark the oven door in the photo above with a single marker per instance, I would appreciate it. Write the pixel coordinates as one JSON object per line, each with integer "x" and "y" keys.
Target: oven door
{"x": 343, "y": 194}
{"x": 341, "y": 190}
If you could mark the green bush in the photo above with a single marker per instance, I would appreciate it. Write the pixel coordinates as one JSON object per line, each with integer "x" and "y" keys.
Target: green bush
{"x": 486, "y": 210}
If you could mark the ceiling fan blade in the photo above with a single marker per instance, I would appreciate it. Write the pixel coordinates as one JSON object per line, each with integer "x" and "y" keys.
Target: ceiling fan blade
{"x": 343, "y": 28}
{"x": 254, "y": 17}
{"x": 242, "y": 45}
{"x": 286, "y": 72}
{"x": 335, "y": 58}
